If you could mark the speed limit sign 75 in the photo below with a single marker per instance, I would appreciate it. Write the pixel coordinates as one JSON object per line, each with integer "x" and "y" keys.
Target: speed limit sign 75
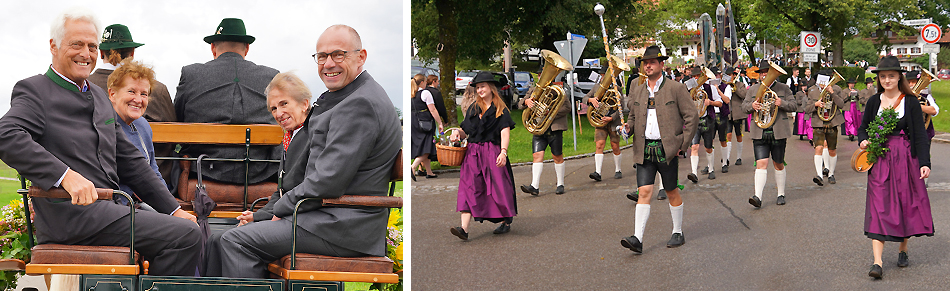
{"x": 930, "y": 33}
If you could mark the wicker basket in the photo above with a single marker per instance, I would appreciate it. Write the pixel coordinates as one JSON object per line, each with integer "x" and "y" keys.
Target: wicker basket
{"x": 450, "y": 156}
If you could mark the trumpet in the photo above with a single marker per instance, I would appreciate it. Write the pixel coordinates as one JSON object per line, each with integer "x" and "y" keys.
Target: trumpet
{"x": 548, "y": 98}
{"x": 925, "y": 79}
{"x": 828, "y": 112}
{"x": 765, "y": 116}
{"x": 698, "y": 94}
{"x": 607, "y": 93}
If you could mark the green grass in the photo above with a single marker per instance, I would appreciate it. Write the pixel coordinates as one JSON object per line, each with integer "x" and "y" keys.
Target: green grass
{"x": 8, "y": 187}
{"x": 519, "y": 146}
{"x": 941, "y": 93}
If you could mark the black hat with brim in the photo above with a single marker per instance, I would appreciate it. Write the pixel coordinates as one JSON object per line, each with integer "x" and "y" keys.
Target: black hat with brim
{"x": 695, "y": 71}
{"x": 889, "y": 63}
{"x": 852, "y": 81}
{"x": 117, "y": 36}
{"x": 653, "y": 52}
{"x": 730, "y": 71}
{"x": 912, "y": 75}
{"x": 714, "y": 70}
{"x": 868, "y": 80}
{"x": 763, "y": 66}
{"x": 484, "y": 76}
{"x": 230, "y": 29}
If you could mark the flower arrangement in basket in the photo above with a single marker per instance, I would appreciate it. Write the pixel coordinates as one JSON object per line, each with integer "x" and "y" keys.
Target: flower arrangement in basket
{"x": 13, "y": 240}
{"x": 450, "y": 153}
{"x": 394, "y": 247}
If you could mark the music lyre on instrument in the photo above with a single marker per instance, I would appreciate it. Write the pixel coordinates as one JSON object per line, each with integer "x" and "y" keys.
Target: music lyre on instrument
{"x": 765, "y": 116}
{"x": 828, "y": 112}
{"x": 606, "y": 91}
{"x": 925, "y": 79}
{"x": 548, "y": 98}
{"x": 698, "y": 94}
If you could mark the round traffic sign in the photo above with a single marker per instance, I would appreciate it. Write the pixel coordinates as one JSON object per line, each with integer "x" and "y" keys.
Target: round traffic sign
{"x": 930, "y": 33}
{"x": 811, "y": 40}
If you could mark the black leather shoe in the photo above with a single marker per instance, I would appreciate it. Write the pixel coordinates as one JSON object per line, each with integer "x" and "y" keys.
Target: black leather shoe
{"x": 420, "y": 173}
{"x": 661, "y": 195}
{"x": 831, "y": 179}
{"x": 560, "y": 190}
{"x": 711, "y": 176}
{"x": 755, "y": 201}
{"x": 903, "y": 260}
{"x": 632, "y": 243}
{"x": 824, "y": 172}
{"x": 705, "y": 170}
{"x": 725, "y": 169}
{"x": 530, "y": 190}
{"x": 876, "y": 271}
{"x": 595, "y": 176}
{"x": 692, "y": 177}
{"x": 413, "y": 177}
{"x": 459, "y": 232}
{"x": 618, "y": 175}
{"x": 738, "y": 162}
{"x": 432, "y": 176}
{"x": 635, "y": 195}
{"x": 676, "y": 240}
{"x": 780, "y": 200}
{"x": 503, "y": 228}
{"x": 817, "y": 180}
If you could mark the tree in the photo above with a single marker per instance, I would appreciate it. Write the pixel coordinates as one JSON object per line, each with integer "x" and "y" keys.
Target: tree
{"x": 943, "y": 58}
{"x": 690, "y": 10}
{"x": 857, "y": 49}
{"x": 922, "y": 60}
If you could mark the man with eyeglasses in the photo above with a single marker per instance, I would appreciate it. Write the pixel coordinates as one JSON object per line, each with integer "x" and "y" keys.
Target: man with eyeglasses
{"x": 354, "y": 137}
{"x": 230, "y": 90}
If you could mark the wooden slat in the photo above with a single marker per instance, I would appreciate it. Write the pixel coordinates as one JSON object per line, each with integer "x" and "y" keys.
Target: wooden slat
{"x": 12, "y": 265}
{"x": 365, "y": 201}
{"x": 35, "y": 269}
{"x": 212, "y": 133}
{"x": 104, "y": 194}
{"x": 333, "y": 276}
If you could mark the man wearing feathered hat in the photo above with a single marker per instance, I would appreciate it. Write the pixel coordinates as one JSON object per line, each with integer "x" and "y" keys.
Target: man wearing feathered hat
{"x": 770, "y": 142}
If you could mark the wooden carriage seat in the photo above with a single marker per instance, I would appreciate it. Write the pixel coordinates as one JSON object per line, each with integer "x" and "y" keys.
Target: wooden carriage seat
{"x": 229, "y": 197}
{"x": 349, "y": 269}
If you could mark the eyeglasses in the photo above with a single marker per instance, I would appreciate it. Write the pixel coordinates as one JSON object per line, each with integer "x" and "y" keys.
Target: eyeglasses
{"x": 337, "y": 56}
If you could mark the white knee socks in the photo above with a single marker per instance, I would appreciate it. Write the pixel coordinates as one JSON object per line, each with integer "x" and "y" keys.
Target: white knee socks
{"x": 677, "y": 213}
{"x": 559, "y": 169}
{"x": 825, "y": 157}
{"x": 760, "y": 177}
{"x": 727, "y": 153}
{"x": 617, "y": 162}
{"x": 738, "y": 150}
{"x": 709, "y": 160}
{"x": 642, "y": 214}
{"x": 831, "y": 165}
{"x": 694, "y": 162}
{"x": 818, "y": 163}
{"x": 536, "y": 174}
{"x": 598, "y": 162}
{"x": 779, "y": 182}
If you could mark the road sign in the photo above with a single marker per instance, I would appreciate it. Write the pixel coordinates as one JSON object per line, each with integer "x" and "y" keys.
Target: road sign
{"x": 917, "y": 23}
{"x": 930, "y": 33}
{"x": 809, "y": 58}
{"x": 577, "y": 46}
{"x": 810, "y": 42}
{"x": 930, "y": 48}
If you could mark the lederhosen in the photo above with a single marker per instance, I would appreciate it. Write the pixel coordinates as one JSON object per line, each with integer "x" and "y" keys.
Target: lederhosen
{"x": 723, "y": 122}
{"x": 825, "y": 132}
{"x": 654, "y": 161}
{"x": 768, "y": 146}
{"x": 707, "y": 123}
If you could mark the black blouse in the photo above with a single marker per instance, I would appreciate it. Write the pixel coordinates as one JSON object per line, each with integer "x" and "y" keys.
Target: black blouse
{"x": 912, "y": 124}
{"x": 488, "y": 127}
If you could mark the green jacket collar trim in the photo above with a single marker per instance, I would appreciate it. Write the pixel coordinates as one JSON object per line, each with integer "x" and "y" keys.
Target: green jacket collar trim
{"x": 60, "y": 81}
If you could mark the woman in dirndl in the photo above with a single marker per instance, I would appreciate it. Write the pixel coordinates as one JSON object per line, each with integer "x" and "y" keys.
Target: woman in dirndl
{"x": 425, "y": 121}
{"x": 486, "y": 184}
{"x": 897, "y": 205}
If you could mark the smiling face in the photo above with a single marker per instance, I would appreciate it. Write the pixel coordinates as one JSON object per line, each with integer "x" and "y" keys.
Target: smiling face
{"x": 131, "y": 99}
{"x": 337, "y": 75}
{"x": 484, "y": 90}
{"x": 652, "y": 67}
{"x": 288, "y": 112}
{"x": 889, "y": 79}
{"x": 75, "y": 56}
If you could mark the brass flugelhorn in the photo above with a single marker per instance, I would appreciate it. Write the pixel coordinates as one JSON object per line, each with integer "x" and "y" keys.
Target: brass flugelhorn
{"x": 606, "y": 92}
{"x": 926, "y": 77}
{"x": 698, "y": 94}
{"x": 765, "y": 116}
{"x": 548, "y": 98}
{"x": 828, "y": 112}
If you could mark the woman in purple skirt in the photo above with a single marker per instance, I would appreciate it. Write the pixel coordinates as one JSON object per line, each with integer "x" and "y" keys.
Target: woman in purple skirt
{"x": 897, "y": 204}
{"x": 486, "y": 184}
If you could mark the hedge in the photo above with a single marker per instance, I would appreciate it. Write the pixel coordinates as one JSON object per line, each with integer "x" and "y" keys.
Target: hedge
{"x": 847, "y": 72}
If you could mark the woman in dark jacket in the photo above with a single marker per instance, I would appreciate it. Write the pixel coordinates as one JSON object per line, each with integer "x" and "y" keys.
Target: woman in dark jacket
{"x": 425, "y": 121}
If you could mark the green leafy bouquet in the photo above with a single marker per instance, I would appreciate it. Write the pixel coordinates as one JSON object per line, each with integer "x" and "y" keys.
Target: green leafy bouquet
{"x": 13, "y": 240}
{"x": 394, "y": 248}
{"x": 878, "y": 130}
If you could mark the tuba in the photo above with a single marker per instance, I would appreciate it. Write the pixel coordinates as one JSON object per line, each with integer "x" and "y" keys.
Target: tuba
{"x": 698, "y": 94}
{"x": 606, "y": 92}
{"x": 765, "y": 117}
{"x": 925, "y": 79}
{"x": 548, "y": 98}
{"x": 828, "y": 112}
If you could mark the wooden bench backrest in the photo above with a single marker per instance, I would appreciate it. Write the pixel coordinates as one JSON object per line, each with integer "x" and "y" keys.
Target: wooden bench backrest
{"x": 213, "y": 133}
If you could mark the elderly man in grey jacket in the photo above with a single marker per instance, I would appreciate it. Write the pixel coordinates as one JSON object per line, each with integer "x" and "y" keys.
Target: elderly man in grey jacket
{"x": 354, "y": 137}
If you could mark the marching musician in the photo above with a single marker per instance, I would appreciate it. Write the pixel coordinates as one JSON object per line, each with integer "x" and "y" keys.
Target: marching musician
{"x": 865, "y": 94}
{"x": 737, "y": 117}
{"x": 825, "y": 132}
{"x": 852, "y": 115}
{"x": 663, "y": 120}
{"x": 933, "y": 109}
{"x": 723, "y": 120}
{"x": 554, "y": 138}
{"x": 770, "y": 142}
{"x": 707, "y": 129}
{"x": 601, "y": 134}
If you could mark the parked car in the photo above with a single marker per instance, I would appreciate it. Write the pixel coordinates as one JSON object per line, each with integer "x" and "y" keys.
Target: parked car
{"x": 462, "y": 79}
{"x": 523, "y": 81}
{"x": 507, "y": 89}
{"x": 943, "y": 74}
{"x": 582, "y": 81}
{"x": 424, "y": 71}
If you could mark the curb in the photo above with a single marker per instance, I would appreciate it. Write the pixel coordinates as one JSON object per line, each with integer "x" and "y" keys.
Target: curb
{"x": 580, "y": 156}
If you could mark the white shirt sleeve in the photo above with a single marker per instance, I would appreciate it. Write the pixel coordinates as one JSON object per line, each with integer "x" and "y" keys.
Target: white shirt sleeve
{"x": 427, "y": 97}
{"x": 933, "y": 103}
{"x": 61, "y": 178}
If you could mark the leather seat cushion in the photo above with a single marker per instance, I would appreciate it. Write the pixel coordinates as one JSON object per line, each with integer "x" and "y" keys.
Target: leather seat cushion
{"x": 84, "y": 255}
{"x": 310, "y": 262}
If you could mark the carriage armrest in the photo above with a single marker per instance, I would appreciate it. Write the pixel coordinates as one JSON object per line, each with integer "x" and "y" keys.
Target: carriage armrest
{"x": 33, "y": 191}
{"x": 12, "y": 265}
{"x": 364, "y": 201}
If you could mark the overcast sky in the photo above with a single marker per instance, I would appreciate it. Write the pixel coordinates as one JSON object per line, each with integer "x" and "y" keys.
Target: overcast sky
{"x": 286, "y": 33}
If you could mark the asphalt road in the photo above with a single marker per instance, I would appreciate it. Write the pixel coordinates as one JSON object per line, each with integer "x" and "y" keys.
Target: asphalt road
{"x": 572, "y": 241}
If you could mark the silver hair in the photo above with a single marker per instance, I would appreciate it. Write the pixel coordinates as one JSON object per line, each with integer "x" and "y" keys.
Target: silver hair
{"x": 353, "y": 34}
{"x": 290, "y": 84}
{"x": 57, "y": 29}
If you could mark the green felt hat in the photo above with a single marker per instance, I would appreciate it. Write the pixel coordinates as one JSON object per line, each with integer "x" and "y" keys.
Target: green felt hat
{"x": 117, "y": 36}
{"x": 230, "y": 29}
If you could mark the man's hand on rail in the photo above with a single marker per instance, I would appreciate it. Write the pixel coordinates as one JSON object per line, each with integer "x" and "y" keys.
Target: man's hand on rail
{"x": 82, "y": 191}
